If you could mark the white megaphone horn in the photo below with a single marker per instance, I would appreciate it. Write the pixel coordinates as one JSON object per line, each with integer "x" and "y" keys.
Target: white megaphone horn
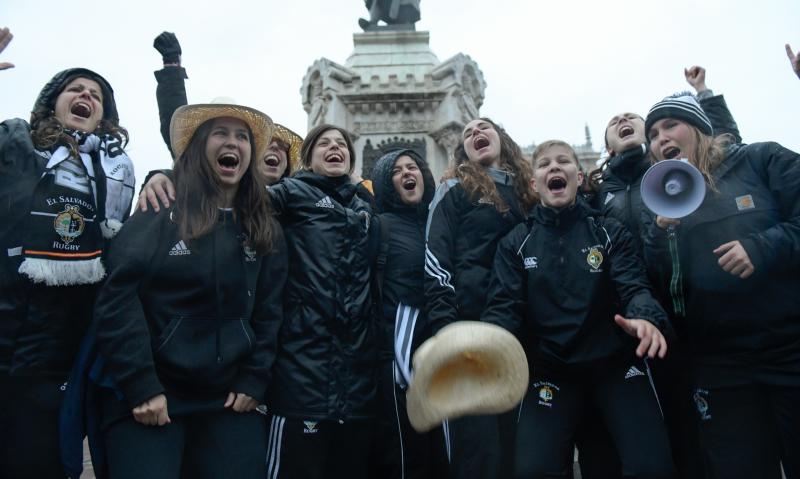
{"x": 673, "y": 188}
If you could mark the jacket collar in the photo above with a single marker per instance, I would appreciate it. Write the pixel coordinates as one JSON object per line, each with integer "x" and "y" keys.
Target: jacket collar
{"x": 629, "y": 165}
{"x": 564, "y": 217}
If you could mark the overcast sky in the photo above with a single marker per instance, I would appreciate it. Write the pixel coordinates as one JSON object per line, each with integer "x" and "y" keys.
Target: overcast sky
{"x": 550, "y": 67}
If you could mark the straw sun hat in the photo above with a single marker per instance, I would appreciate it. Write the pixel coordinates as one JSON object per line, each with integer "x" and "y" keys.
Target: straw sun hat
{"x": 188, "y": 118}
{"x": 294, "y": 141}
{"x": 467, "y": 368}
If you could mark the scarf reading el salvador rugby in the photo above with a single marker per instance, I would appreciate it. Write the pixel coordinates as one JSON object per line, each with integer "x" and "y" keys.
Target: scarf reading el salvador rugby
{"x": 75, "y": 205}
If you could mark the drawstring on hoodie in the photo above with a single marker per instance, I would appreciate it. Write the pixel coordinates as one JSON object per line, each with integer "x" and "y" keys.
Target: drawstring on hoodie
{"x": 676, "y": 282}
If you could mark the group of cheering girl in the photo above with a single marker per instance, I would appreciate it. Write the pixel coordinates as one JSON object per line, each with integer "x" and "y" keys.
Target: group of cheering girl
{"x": 256, "y": 318}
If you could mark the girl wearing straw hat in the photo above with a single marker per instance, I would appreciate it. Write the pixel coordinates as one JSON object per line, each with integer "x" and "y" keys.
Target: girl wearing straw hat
{"x": 188, "y": 320}
{"x": 282, "y": 156}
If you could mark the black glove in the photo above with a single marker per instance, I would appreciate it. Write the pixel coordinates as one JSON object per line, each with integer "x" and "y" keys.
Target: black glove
{"x": 168, "y": 46}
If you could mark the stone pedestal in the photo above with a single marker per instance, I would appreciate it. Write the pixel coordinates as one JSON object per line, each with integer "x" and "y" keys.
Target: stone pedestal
{"x": 394, "y": 92}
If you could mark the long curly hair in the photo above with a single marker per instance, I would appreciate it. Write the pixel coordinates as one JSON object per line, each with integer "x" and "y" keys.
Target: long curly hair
{"x": 476, "y": 181}
{"x": 198, "y": 195}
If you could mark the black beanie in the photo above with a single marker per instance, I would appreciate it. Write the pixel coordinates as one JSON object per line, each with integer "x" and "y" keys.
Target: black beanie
{"x": 681, "y": 106}
{"x": 47, "y": 97}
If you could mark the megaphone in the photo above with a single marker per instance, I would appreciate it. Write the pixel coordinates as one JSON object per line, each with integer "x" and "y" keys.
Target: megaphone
{"x": 673, "y": 188}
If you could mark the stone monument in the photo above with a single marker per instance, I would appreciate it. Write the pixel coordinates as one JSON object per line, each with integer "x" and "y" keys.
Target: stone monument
{"x": 393, "y": 92}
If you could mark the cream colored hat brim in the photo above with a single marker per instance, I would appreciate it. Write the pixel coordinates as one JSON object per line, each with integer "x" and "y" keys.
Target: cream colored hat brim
{"x": 467, "y": 368}
{"x": 294, "y": 141}
{"x": 188, "y": 118}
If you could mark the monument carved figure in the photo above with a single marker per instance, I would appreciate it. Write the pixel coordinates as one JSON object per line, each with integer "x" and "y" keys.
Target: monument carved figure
{"x": 392, "y": 12}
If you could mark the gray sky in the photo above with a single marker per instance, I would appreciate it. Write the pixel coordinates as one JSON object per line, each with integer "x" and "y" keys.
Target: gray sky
{"x": 551, "y": 67}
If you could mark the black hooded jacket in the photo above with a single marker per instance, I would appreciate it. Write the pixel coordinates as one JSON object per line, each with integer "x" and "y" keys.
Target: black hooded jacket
{"x": 403, "y": 273}
{"x": 325, "y": 369}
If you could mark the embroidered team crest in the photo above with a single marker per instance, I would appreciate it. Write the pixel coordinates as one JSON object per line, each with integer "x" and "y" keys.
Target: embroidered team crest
{"x": 69, "y": 224}
{"x": 594, "y": 258}
{"x": 310, "y": 427}
{"x": 546, "y": 393}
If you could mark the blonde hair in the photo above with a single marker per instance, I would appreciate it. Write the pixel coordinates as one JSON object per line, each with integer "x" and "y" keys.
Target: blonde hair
{"x": 709, "y": 153}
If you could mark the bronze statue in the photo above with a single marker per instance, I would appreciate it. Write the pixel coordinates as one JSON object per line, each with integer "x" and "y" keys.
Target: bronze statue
{"x": 392, "y": 12}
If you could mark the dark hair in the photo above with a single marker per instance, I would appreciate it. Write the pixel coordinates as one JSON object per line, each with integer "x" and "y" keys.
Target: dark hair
{"x": 476, "y": 180}
{"x": 310, "y": 142}
{"x": 198, "y": 194}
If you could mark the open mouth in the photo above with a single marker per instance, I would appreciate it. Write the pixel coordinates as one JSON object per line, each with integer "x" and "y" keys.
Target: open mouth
{"x": 81, "y": 109}
{"x": 671, "y": 152}
{"x": 228, "y": 161}
{"x": 625, "y": 131}
{"x": 335, "y": 158}
{"x": 272, "y": 160}
{"x": 409, "y": 184}
{"x": 480, "y": 142}
{"x": 557, "y": 184}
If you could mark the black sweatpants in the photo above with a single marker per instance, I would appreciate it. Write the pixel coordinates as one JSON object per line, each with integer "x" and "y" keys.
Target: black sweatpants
{"x": 213, "y": 445}
{"x": 29, "y": 409}
{"x": 398, "y": 451}
{"x": 746, "y": 431}
{"x": 623, "y": 395}
{"x": 481, "y": 447}
{"x": 311, "y": 449}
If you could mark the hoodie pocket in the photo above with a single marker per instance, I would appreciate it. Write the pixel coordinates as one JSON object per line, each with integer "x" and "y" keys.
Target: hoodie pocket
{"x": 204, "y": 351}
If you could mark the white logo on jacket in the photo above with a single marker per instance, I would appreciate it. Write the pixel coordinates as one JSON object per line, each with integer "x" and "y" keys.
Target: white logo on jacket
{"x": 325, "y": 202}
{"x": 531, "y": 262}
{"x": 179, "y": 249}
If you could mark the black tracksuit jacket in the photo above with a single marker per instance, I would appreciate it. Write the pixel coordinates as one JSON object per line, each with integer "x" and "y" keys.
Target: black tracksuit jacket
{"x": 558, "y": 280}
{"x": 741, "y": 331}
{"x": 192, "y": 319}
{"x": 326, "y": 367}
{"x": 462, "y": 237}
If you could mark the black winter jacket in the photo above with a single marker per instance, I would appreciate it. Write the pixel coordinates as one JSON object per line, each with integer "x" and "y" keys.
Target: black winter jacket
{"x": 193, "y": 319}
{"x": 741, "y": 331}
{"x": 325, "y": 368}
{"x": 40, "y": 326}
{"x": 560, "y": 278}
{"x": 403, "y": 274}
{"x": 462, "y": 237}
{"x": 620, "y": 192}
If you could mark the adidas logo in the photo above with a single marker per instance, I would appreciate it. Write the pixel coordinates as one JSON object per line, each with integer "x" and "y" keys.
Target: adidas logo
{"x": 531, "y": 262}
{"x": 179, "y": 249}
{"x": 325, "y": 202}
{"x": 633, "y": 371}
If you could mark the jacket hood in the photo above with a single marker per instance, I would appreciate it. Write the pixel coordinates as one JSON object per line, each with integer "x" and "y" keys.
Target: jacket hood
{"x": 47, "y": 97}
{"x": 386, "y": 198}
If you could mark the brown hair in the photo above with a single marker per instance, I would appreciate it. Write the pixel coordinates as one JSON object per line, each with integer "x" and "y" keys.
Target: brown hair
{"x": 477, "y": 183}
{"x": 47, "y": 131}
{"x": 310, "y": 142}
{"x": 198, "y": 194}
